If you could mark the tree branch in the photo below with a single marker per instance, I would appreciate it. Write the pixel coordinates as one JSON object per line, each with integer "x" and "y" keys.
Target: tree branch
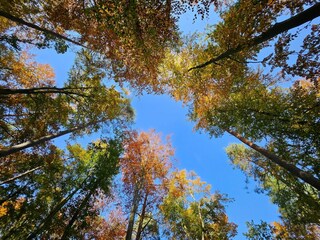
{"x": 41, "y": 90}
{"x": 295, "y": 21}
{"x": 20, "y": 175}
{"x": 31, "y": 25}
{"x": 295, "y": 171}
{"x": 16, "y": 148}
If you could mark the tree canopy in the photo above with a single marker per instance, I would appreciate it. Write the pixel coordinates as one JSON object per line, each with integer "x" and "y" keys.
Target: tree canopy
{"x": 253, "y": 75}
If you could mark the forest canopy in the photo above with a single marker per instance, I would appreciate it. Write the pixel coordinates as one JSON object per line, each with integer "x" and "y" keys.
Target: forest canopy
{"x": 254, "y": 75}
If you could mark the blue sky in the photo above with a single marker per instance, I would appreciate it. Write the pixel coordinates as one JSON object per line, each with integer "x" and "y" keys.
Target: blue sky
{"x": 194, "y": 151}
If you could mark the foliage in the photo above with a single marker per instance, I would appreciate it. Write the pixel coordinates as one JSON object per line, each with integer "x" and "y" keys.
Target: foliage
{"x": 190, "y": 211}
{"x": 42, "y": 203}
{"x": 84, "y": 101}
{"x": 279, "y": 231}
{"x": 51, "y": 193}
{"x": 297, "y": 201}
{"x": 145, "y": 167}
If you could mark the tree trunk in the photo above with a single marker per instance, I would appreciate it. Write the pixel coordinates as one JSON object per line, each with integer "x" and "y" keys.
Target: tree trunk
{"x": 295, "y": 21}
{"x": 295, "y": 171}
{"x": 47, "y": 221}
{"x": 143, "y": 213}
{"x": 76, "y": 214}
{"x": 200, "y": 216}
{"x": 21, "y": 219}
{"x": 133, "y": 212}
{"x": 31, "y": 25}
{"x": 41, "y": 90}
{"x": 32, "y": 143}
{"x": 19, "y": 176}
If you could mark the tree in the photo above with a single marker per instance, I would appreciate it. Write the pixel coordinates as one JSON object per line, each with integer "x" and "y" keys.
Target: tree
{"x": 231, "y": 96}
{"x": 133, "y": 35}
{"x": 265, "y": 34}
{"x": 297, "y": 201}
{"x": 190, "y": 211}
{"x": 144, "y": 166}
{"x": 279, "y": 231}
{"x": 84, "y": 104}
{"x": 60, "y": 197}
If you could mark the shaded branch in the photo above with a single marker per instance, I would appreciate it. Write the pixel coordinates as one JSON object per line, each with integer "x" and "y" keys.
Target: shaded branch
{"x": 31, "y": 25}
{"x": 41, "y": 90}
{"x": 295, "y": 171}
{"x": 20, "y": 175}
{"x": 16, "y": 148}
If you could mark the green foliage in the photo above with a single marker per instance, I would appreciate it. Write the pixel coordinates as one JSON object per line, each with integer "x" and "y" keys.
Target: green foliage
{"x": 297, "y": 201}
{"x": 261, "y": 231}
{"x": 27, "y": 203}
{"x": 191, "y": 212}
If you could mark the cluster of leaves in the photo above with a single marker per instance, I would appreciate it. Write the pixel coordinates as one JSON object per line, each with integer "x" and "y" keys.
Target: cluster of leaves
{"x": 190, "y": 211}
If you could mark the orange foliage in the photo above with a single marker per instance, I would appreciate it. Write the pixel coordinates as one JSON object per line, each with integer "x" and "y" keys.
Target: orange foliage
{"x": 145, "y": 160}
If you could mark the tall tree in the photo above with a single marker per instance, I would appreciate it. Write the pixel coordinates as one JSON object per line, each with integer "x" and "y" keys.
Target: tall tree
{"x": 133, "y": 35}
{"x": 281, "y": 231}
{"x": 84, "y": 104}
{"x": 145, "y": 166}
{"x": 62, "y": 194}
{"x": 190, "y": 211}
{"x": 297, "y": 201}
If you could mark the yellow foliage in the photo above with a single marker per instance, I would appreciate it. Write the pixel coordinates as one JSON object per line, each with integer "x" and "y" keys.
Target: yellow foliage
{"x": 3, "y": 209}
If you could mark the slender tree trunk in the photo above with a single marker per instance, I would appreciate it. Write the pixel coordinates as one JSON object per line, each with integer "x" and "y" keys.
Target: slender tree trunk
{"x": 143, "y": 213}
{"x": 297, "y": 189}
{"x": 295, "y": 171}
{"x": 19, "y": 176}
{"x": 295, "y": 21}
{"x": 32, "y": 143}
{"x": 76, "y": 214}
{"x": 47, "y": 221}
{"x": 31, "y": 25}
{"x": 42, "y": 90}
{"x": 200, "y": 216}
{"x": 133, "y": 212}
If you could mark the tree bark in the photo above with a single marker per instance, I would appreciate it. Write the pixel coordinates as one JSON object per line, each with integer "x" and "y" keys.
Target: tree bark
{"x": 143, "y": 213}
{"x": 47, "y": 221}
{"x": 31, "y": 25}
{"x": 32, "y": 143}
{"x": 133, "y": 212}
{"x": 295, "y": 21}
{"x": 200, "y": 216}
{"x": 295, "y": 171}
{"x": 41, "y": 90}
{"x": 76, "y": 214}
{"x": 19, "y": 176}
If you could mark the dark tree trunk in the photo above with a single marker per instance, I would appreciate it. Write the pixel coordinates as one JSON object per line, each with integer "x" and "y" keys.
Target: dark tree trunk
{"x": 47, "y": 221}
{"x": 32, "y": 143}
{"x": 142, "y": 216}
{"x": 134, "y": 208}
{"x": 76, "y": 214}
{"x": 295, "y": 171}
{"x": 42, "y": 90}
{"x": 31, "y": 25}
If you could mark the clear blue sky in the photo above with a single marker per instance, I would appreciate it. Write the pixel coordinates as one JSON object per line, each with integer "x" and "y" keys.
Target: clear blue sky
{"x": 194, "y": 151}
